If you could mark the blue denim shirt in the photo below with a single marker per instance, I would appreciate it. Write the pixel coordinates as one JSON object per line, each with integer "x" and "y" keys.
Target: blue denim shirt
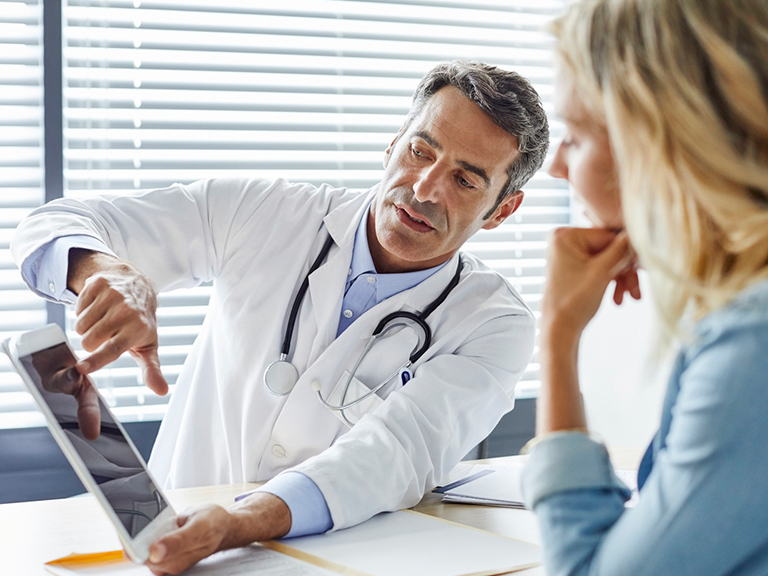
{"x": 703, "y": 507}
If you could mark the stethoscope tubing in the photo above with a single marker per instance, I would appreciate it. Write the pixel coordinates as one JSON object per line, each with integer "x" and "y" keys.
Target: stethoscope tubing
{"x": 344, "y": 404}
{"x": 384, "y": 325}
{"x": 300, "y": 296}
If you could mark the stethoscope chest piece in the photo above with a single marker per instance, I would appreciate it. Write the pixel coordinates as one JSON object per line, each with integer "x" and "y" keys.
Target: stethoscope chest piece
{"x": 280, "y": 378}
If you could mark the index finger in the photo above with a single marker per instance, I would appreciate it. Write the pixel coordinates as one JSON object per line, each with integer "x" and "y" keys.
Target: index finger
{"x": 108, "y": 352}
{"x": 586, "y": 241}
{"x": 598, "y": 239}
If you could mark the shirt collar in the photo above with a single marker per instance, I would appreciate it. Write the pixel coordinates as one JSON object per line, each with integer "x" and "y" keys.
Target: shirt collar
{"x": 386, "y": 284}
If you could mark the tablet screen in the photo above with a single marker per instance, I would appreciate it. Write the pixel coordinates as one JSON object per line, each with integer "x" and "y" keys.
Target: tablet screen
{"x": 82, "y": 414}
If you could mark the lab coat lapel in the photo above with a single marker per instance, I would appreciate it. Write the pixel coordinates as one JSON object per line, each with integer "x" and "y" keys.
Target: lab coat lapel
{"x": 326, "y": 284}
{"x": 427, "y": 291}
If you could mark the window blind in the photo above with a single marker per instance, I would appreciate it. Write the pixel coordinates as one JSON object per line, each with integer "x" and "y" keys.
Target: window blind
{"x": 163, "y": 91}
{"x": 21, "y": 186}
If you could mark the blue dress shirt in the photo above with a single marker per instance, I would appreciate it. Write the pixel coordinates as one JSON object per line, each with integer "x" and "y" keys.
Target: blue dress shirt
{"x": 365, "y": 288}
{"x": 703, "y": 506}
{"x": 46, "y": 270}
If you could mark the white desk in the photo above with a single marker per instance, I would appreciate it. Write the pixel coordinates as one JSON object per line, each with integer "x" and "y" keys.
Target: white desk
{"x": 32, "y": 533}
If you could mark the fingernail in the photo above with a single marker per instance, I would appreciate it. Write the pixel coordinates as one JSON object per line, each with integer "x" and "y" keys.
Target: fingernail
{"x": 157, "y": 553}
{"x": 83, "y": 366}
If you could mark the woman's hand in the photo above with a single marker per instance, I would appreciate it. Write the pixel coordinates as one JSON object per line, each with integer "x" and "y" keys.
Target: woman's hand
{"x": 581, "y": 263}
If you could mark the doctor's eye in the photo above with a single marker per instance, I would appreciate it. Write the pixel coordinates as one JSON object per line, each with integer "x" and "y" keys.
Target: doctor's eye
{"x": 464, "y": 182}
{"x": 418, "y": 153}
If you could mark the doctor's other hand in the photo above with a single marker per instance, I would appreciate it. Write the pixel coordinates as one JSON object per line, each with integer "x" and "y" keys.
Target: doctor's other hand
{"x": 208, "y": 529}
{"x": 581, "y": 263}
{"x": 116, "y": 312}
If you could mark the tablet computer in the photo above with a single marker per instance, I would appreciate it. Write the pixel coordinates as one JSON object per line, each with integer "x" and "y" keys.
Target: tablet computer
{"x": 92, "y": 439}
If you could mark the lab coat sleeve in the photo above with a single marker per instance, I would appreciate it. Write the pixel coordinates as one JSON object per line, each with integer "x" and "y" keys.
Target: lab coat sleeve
{"x": 402, "y": 449}
{"x": 178, "y": 236}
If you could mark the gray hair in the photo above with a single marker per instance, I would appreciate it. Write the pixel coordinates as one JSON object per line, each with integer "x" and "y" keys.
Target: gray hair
{"x": 506, "y": 98}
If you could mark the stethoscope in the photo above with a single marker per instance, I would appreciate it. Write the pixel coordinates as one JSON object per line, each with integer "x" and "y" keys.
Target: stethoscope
{"x": 281, "y": 376}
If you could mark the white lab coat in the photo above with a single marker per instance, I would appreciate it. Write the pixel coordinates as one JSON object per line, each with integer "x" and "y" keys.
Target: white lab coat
{"x": 256, "y": 240}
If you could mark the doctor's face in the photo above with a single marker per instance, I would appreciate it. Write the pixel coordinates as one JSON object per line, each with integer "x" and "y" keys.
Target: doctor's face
{"x": 442, "y": 175}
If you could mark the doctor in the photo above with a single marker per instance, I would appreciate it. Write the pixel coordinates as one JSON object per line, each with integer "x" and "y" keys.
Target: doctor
{"x": 474, "y": 136}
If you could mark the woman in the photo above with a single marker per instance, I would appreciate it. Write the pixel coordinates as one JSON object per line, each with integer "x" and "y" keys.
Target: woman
{"x": 666, "y": 108}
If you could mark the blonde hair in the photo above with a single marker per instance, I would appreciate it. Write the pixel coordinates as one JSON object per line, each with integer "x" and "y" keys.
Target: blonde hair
{"x": 681, "y": 87}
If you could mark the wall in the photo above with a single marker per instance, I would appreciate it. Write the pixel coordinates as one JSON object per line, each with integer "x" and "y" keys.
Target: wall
{"x": 622, "y": 394}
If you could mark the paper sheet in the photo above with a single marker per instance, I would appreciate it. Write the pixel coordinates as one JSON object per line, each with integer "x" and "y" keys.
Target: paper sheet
{"x": 412, "y": 544}
{"x": 502, "y": 487}
{"x": 243, "y": 561}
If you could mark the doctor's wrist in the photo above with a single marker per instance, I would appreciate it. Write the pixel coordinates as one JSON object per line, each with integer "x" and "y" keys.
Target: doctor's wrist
{"x": 259, "y": 517}
{"x": 85, "y": 263}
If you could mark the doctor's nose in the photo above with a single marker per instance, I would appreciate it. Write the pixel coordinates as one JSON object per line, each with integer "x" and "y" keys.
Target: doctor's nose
{"x": 427, "y": 186}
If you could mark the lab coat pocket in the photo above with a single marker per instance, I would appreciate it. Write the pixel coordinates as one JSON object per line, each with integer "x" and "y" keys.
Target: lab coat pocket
{"x": 343, "y": 395}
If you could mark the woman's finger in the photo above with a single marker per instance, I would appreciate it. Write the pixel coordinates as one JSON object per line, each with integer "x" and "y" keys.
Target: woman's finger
{"x": 618, "y": 291}
{"x": 616, "y": 257}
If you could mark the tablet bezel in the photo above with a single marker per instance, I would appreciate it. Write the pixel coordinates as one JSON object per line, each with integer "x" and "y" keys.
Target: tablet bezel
{"x": 51, "y": 335}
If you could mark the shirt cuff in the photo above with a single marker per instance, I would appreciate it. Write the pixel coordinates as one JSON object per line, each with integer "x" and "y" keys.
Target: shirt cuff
{"x": 566, "y": 461}
{"x": 309, "y": 510}
{"x": 46, "y": 268}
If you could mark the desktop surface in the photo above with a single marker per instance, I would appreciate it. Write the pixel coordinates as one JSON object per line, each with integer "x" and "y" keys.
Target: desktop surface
{"x": 33, "y": 533}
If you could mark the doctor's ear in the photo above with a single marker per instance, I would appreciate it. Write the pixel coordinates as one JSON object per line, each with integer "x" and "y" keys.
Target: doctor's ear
{"x": 508, "y": 206}
{"x": 388, "y": 151}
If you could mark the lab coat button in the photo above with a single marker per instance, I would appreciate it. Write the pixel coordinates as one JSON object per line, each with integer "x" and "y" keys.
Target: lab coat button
{"x": 347, "y": 313}
{"x": 278, "y": 451}
{"x": 52, "y": 287}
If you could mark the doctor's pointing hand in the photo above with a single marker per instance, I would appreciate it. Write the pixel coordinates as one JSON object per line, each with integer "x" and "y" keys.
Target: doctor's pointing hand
{"x": 116, "y": 313}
